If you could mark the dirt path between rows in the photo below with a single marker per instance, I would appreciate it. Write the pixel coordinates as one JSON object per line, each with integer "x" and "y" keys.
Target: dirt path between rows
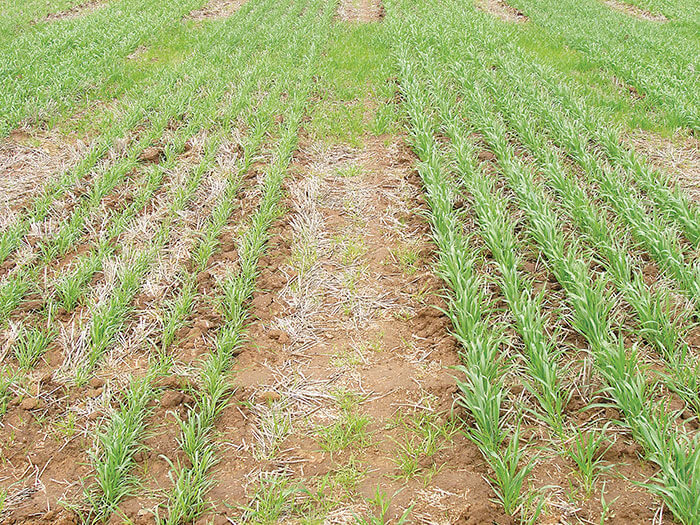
{"x": 344, "y": 389}
{"x": 502, "y": 10}
{"x": 216, "y": 9}
{"x": 361, "y": 11}
{"x": 635, "y": 11}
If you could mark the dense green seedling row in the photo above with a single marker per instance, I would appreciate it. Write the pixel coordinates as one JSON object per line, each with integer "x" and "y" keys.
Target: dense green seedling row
{"x": 483, "y": 389}
{"x": 658, "y": 60}
{"x": 670, "y": 200}
{"x": 542, "y": 352}
{"x": 45, "y": 68}
{"x": 652, "y": 308}
{"x": 674, "y": 452}
{"x": 659, "y": 323}
{"x": 648, "y": 228}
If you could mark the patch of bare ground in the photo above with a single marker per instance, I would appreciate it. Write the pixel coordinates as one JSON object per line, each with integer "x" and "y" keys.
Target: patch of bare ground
{"x": 346, "y": 371}
{"x": 678, "y": 156}
{"x": 44, "y": 441}
{"x": 28, "y": 161}
{"x": 216, "y": 9}
{"x": 77, "y": 11}
{"x": 635, "y": 11}
{"x": 502, "y": 10}
{"x": 361, "y": 11}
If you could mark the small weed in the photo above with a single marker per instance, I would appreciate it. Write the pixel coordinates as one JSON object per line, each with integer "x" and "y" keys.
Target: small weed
{"x": 349, "y": 171}
{"x": 382, "y": 502}
{"x": 349, "y": 430}
{"x": 586, "y": 451}
{"x": 407, "y": 256}
{"x": 274, "y": 499}
{"x": 66, "y": 427}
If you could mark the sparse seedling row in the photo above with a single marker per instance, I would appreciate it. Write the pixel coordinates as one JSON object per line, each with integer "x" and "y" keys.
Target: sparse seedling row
{"x": 111, "y": 486}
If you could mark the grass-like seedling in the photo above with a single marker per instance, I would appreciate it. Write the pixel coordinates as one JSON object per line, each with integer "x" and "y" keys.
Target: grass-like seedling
{"x": 7, "y": 378}
{"x": 586, "y": 451}
{"x": 32, "y": 343}
{"x": 349, "y": 430}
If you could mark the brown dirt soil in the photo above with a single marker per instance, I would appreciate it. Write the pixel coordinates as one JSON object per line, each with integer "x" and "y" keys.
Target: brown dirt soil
{"x": 361, "y": 11}
{"x": 678, "y": 156}
{"x": 77, "y": 11}
{"x": 49, "y": 459}
{"x": 216, "y": 9}
{"x": 339, "y": 311}
{"x": 501, "y": 9}
{"x": 635, "y": 11}
{"x": 30, "y": 159}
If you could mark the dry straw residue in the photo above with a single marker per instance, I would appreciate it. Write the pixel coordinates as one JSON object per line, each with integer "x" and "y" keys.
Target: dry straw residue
{"x": 28, "y": 162}
{"x": 678, "y": 156}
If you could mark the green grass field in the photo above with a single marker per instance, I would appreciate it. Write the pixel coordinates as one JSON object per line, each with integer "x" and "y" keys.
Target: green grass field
{"x": 349, "y": 261}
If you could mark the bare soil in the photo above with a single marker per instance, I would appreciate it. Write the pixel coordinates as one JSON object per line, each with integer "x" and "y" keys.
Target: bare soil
{"x": 351, "y": 320}
{"x": 77, "y": 11}
{"x": 216, "y": 9}
{"x": 361, "y": 11}
{"x": 635, "y": 11}
{"x": 501, "y": 9}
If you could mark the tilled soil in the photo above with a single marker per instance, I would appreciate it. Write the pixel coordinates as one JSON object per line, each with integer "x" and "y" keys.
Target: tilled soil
{"x": 216, "y": 9}
{"x": 503, "y": 10}
{"x": 340, "y": 313}
{"x": 361, "y": 11}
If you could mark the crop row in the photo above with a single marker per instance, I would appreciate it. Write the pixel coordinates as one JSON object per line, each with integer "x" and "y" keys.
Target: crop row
{"x": 466, "y": 94}
{"x": 122, "y": 435}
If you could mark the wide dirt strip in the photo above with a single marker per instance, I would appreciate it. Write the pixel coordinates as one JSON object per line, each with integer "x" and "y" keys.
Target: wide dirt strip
{"x": 344, "y": 386}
